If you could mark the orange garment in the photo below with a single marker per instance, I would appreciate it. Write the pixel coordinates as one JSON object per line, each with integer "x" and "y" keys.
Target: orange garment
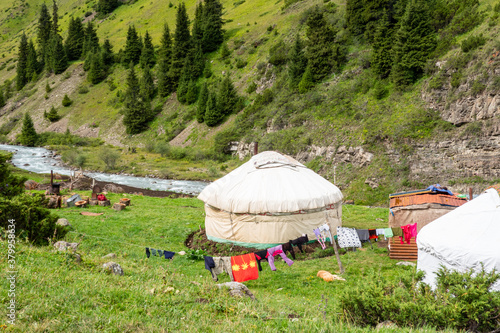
{"x": 244, "y": 267}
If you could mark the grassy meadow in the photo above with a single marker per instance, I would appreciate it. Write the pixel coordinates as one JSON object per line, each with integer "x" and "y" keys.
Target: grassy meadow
{"x": 54, "y": 293}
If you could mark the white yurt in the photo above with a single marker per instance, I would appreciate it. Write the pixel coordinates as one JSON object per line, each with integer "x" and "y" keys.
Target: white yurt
{"x": 269, "y": 200}
{"x": 462, "y": 239}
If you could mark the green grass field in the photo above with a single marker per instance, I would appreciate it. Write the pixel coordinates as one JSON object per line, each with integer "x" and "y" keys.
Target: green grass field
{"x": 56, "y": 294}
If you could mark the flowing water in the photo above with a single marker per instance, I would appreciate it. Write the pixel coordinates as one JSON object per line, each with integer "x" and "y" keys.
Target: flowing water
{"x": 41, "y": 160}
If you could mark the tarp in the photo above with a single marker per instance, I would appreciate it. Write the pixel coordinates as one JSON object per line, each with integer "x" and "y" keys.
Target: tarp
{"x": 269, "y": 200}
{"x": 421, "y": 214}
{"x": 463, "y": 239}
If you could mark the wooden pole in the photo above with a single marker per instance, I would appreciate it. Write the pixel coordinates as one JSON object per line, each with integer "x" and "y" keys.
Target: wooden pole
{"x": 470, "y": 193}
{"x": 336, "y": 251}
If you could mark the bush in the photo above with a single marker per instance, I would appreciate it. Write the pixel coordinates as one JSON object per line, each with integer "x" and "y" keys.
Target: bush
{"x": 52, "y": 116}
{"x": 109, "y": 157}
{"x": 477, "y": 88}
{"x": 473, "y": 42}
{"x": 66, "y": 101}
{"x": 278, "y": 54}
{"x": 240, "y": 63}
{"x": 162, "y": 148}
{"x": 460, "y": 301}
{"x": 83, "y": 89}
{"x": 251, "y": 88}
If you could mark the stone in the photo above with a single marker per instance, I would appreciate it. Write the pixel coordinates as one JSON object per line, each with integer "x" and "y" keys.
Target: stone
{"x": 113, "y": 267}
{"x": 110, "y": 255}
{"x": 371, "y": 183}
{"x": 30, "y": 185}
{"x": 78, "y": 258}
{"x": 181, "y": 253}
{"x": 349, "y": 202}
{"x": 406, "y": 263}
{"x": 63, "y": 246}
{"x": 113, "y": 188}
{"x": 63, "y": 222}
{"x": 236, "y": 289}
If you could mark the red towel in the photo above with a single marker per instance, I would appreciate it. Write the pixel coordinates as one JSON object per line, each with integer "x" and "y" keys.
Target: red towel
{"x": 409, "y": 231}
{"x": 244, "y": 267}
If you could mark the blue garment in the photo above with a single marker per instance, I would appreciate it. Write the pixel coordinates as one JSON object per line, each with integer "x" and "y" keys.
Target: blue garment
{"x": 153, "y": 251}
{"x": 434, "y": 188}
{"x": 147, "y": 252}
{"x": 160, "y": 253}
{"x": 209, "y": 262}
{"x": 168, "y": 254}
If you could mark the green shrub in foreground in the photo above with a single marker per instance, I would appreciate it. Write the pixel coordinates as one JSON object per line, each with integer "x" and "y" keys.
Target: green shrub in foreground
{"x": 460, "y": 301}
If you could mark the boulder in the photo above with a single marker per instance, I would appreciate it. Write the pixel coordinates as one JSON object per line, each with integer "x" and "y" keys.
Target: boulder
{"x": 63, "y": 246}
{"x": 110, "y": 255}
{"x": 236, "y": 289}
{"x": 31, "y": 185}
{"x": 113, "y": 188}
{"x": 113, "y": 267}
{"x": 63, "y": 222}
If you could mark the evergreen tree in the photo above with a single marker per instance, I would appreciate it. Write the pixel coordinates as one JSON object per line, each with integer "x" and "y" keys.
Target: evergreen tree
{"x": 224, "y": 51}
{"x": 198, "y": 23}
{"x": 147, "y": 58}
{"x": 354, "y": 16}
{"x": 213, "y": 34}
{"x": 52, "y": 116}
{"x": 192, "y": 92}
{"x": 32, "y": 65}
{"x": 74, "y": 41}
{"x": 44, "y": 32}
{"x": 297, "y": 62}
{"x": 55, "y": 18}
{"x": 97, "y": 70}
{"x": 306, "y": 83}
{"x": 90, "y": 41}
{"x": 182, "y": 43}
{"x": 165, "y": 83}
{"x": 165, "y": 44}
{"x": 137, "y": 114}
{"x": 2, "y": 98}
{"x": 227, "y": 98}
{"x": 183, "y": 85}
{"x": 133, "y": 46}
{"x": 58, "y": 59}
{"x": 22, "y": 62}
{"x": 148, "y": 89}
{"x": 213, "y": 115}
{"x": 107, "y": 53}
{"x": 107, "y": 6}
{"x": 28, "y": 136}
{"x": 382, "y": 57}
{"x": 66, "y": 101}
{"x": 198, "y": 64}
{"x": 415, "y": 40}
{"x": 322, "y": 52}
{"x": 202, "y": 103}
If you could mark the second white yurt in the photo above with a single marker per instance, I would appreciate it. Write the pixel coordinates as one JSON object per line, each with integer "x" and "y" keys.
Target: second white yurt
{"x": 269, "y": 200}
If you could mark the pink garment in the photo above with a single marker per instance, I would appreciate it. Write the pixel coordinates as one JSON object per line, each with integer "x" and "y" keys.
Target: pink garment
{"x": 275, "y": 251}
{"x": 409, "y": 231}
{"x": 321, "y": 239}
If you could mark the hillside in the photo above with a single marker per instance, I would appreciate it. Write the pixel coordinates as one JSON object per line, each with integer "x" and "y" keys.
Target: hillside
{"x": 370, "y": 135}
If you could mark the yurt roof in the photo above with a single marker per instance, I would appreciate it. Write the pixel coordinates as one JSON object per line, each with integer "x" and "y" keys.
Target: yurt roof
{"x": 271, "y": 182}
{"x": 466, "y": 236}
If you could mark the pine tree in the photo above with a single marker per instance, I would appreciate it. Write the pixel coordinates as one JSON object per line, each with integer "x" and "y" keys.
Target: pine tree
{"x": 2, "y": 98}
{"x": 66, "y": 101}
{"x": 354, "y": 16}
{"x": 58, "y": 59}
{"x": 321, "y": 55}
{"x": 107, "y": 6}
{"x": 306, "y": 82}
{"x": 137, "y": 114}
{"x": 192, "y": 92}
{"x": 297, "y": 62}
{"x": 213, "y": 115}
{"x": 415, "y": 40}
{"x": 198, "y": 23}
{"x": 55, "y": 18}
{"x": 28, "y": 136}
{"x": 182, "y": 43}
{"x": 22, "y": 62}
{"x": 202, "y": 103}
{"x": 148, "y": 88}
{"x": 183, "y": 85}
{"x": 198, "y": 60}
{"x": 52, "y": 116}
{"x": 227, "y": 98}
{"x": 133, "y": 46}
{"x": 97, "y": 70}
{"x": 165, "y": 84}
{"x": 213, "y": 34}
{"x": 32, "y": 65}
{"x": 147, "y": 58}
{"x": 166, "y": 44}
{"x": 224, "y": 51}
{"x": 107, "y": 53}
{"x": 382, "y": 56}
{"x": 74, "y": 41}
{"x": 44, "y": 32}
{"x": 90, "y": 41}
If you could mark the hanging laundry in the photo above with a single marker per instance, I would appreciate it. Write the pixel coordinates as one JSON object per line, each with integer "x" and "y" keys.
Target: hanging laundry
{"x": 147, "y": 252}
{"x": 220, "y": 265}
{"x": 260, "y": 255}
{"x": 320, "y": 238}
{"x": 300, "y": 241}
{"x": 363, "y": 235}
{"x": 397, "y": 231}
{"x": 287, "y": 247}
{"x": 380, "y": 231}
{"x": 168, "y": 254}
{"x": 409, "y": 231}
{"x": 388, "y": 233}
{"x": 373, "y": 234}
{"x": 347, "y": 237}
{"x": 325, "y": 231}
{"x": 244, "y": 267}
{"x": 274, "y": 251}
{"x": 160, "y": 253}
{"x": 153, "y": 251}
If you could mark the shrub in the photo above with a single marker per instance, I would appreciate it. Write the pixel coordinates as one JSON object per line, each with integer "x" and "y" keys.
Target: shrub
{"x": 66, "y": 101}
{"x": 251, "y": 88}
{"x": 477, "y": 88}
{"x": 240, "y": 63}
{"x": 109, "y": 157}
{"x": 83, "y": 89}
{"x": 473, "y": 42}
{"x": 52, "y": 116}
{"x": 278, "y": 54}
{"x": 456, "y": 79}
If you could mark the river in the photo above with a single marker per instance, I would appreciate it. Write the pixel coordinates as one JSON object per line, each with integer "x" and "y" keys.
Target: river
{"x": 41, "y": 160}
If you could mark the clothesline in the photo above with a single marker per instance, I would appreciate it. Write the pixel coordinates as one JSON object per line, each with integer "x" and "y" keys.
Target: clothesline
{"x": 107, "y": 239}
